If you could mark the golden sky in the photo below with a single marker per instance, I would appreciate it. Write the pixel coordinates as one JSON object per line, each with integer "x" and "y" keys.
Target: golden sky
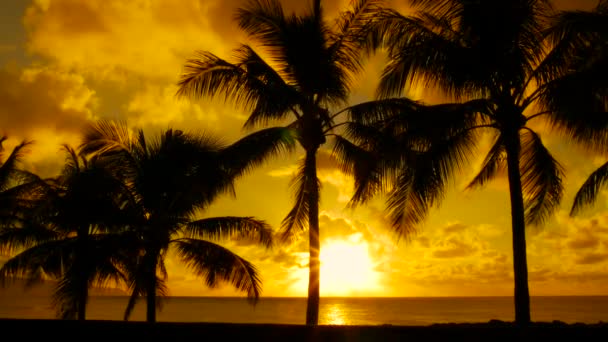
{"x": 65, "y": 62}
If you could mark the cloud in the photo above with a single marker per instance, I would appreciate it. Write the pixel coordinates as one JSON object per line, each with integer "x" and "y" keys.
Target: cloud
{"x": 108, "y": 38}
{"x": 454, "y": 248}
{"x": 157, "y": 106}
{"x": 583, "y": 242}
{"x": 45, "y": 105}
{"x": 328, "y": 173}
{"x": 286, "y": 259}
{"x": 150, "y": 38}
{"x": 43, "y": 97}
{"x": 4, "y": 48}
{"x": 591, "y": 258}
{"x": 454, "y": 228}
{"x": 285, "y": 171}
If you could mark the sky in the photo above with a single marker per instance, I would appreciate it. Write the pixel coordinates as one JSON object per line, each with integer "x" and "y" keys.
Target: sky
{"x": 64, "y": 63}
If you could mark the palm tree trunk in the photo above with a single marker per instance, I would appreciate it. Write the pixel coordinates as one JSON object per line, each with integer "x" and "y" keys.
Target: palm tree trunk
{"x": 312, "y": 308}
{"x": 83, "y": 295}
{"x": 82, "y": 273}
{"x": 520, "y": 264}
{"x": 151, "y": 288}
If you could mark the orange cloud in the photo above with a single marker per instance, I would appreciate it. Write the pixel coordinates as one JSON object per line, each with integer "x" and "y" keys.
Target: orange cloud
{"x": 47, "y": 98}
{"x": 115, "y": 39}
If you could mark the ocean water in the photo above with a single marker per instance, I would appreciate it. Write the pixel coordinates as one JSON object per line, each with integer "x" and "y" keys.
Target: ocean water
{"x": 350, "y": 311}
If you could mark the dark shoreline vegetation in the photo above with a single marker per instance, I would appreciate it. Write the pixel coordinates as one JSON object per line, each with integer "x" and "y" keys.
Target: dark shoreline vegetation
{"x": 117, "y": 330}
{"x": 124, "y": 199}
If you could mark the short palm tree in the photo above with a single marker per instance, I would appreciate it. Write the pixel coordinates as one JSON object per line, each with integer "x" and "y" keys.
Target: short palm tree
{"x": 494, "y": 56}
{"x": 171, "y": 179}
{"x": 17, "y": 186}
{"x": 584, "y": 35}
{"x": 71, "y": 234}
{"x": 308, "y": 73}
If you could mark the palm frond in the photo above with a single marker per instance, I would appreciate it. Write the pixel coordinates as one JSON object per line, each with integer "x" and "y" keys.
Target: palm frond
{"x": 135, "y": 294}
{"x": 589, "y": 191}
{"x": 68, "y": 293}
{"x": 541, "y": 177}
{"x": 106, "y": 137}
{"x": 494, "y": 162}
{"x": 272, "y": 98}
{"x": 578, "y": 103}
{"x": 349, "y": 34}
{"x": 406, "y": 208}
{"x": 304, "y": 181}
{"x": 422, "y": 179}
{"x": 262, "y": 20}
{"x": 465, "y": 48}
{"x": 362, "y": 165}
{"x": 379, "y": 110}
{"x": 218, "y": 228}
{"x": 45, "y": 259}
{"x": 249, "y": 82}
{"x": 215, "y": 263}
{"x": 256, "y": 148}
{"x": 418, "y": 54}
{"x": 31, "y": 234}
{"x": 9, "y": 167}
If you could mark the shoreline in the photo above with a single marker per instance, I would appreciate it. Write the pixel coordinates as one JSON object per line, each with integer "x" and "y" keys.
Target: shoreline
{"x": 490, "y": 331}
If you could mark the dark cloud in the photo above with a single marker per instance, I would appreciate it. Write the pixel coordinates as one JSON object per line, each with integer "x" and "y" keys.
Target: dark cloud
{"x": 88, "y": 19}
{"x": 286, "y": 259}
{"x": 423, "y": 241}
{"x": 584, "y": 242}
{"x": 542, "y": 274}
{"x": 454, "y": 249}
{"x": 42, "y": 99}
{"x": 453, "y": 252}
{"x": 591, "y": 258}
{"x": 454, "y": 228}
{"x": 580, "y": 277}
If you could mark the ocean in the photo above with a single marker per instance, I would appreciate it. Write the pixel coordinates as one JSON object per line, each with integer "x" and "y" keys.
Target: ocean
{"x": 349, "y": 311}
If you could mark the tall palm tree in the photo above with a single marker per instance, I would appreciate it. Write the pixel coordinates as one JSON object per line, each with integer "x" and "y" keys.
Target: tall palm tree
{"x": 584, "y": 35}
{"x": 71, "y": 234}
{"x": 493, "y": 54}
{"x": 307, "y": 74}
{"x": 171, "y": 179}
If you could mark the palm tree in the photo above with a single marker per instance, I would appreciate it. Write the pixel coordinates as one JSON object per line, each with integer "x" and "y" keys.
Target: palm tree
{"x": 171, "y": 179}
{"x": 585, "y": 91}
{"x": 308, "y": 74}
{"x": 71, "y": 234}
{"x": 15, "y": 185}
{"x": 492, "y": 55}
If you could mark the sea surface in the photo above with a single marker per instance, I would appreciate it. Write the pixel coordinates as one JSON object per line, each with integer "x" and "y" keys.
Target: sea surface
{"x": 352, "y": 311}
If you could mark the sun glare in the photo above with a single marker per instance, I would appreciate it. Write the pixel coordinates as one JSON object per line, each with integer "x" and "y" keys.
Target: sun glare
{"x": 347, "y": 270}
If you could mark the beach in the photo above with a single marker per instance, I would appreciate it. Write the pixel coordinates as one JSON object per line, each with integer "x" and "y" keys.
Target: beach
{"x": 140, "y": 331}
{"x": 402, "y": 311}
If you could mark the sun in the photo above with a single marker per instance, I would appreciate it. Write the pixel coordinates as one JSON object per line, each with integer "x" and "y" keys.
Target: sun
{"x": 347, "y": 269}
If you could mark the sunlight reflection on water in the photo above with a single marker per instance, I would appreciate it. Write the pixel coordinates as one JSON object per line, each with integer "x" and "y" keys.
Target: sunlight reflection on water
{"x": 334, "y": 314}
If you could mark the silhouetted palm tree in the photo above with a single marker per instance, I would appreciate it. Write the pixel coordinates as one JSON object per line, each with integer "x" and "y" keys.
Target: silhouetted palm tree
{"x": 309, "y": 74}
{"x": 493, "y": 53}
{"x": 171, "y": 179}
{"x": 583, "y": 35}
{"x": 71, "y": 234}
{"x": 17, "y": 186}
